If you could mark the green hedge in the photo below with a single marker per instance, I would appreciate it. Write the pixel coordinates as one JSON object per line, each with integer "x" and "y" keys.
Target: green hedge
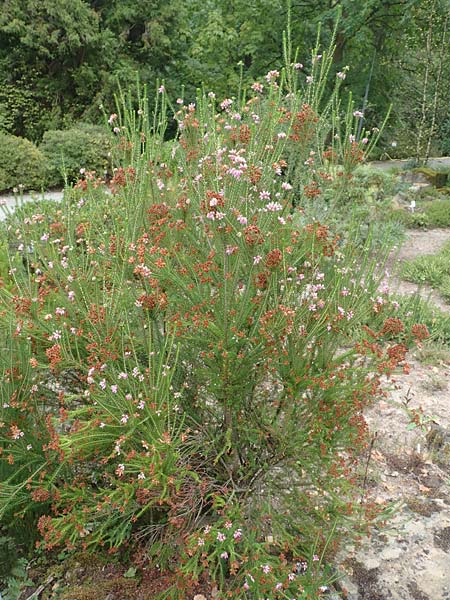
{"x": 69, "y": 150}
{"x": 21, "y": 163}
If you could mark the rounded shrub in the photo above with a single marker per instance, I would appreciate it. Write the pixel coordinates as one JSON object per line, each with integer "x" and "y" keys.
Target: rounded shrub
{"x": 68, "y": 151}
{"x": 21, "y": 164}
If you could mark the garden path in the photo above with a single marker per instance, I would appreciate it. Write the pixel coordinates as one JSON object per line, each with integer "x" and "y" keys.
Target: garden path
{"x": 410, "y": 560}
{"x": 10, "y": 201}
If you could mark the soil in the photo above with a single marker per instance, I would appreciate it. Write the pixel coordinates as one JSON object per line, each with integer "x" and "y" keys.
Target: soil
{"x": 411, "y": 559}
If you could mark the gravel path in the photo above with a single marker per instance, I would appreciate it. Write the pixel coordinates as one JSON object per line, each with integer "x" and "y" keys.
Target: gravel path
{"x": 419, "y": 242}
{"x": 385, "y": 165}
{"x": 10, "y": 201}
{"x": 410, "y": 560}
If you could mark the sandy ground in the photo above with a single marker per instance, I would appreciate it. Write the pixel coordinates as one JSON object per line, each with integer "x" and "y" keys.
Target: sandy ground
{"x": 411, "y": 467}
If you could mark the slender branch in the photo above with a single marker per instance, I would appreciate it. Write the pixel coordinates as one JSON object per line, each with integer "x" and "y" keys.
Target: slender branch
{"x": 437, "y": 87}
{"x": 420, "y": 133}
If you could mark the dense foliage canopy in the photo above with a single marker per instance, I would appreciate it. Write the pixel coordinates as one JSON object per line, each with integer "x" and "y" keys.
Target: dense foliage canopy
{"x": 61, "y": 59}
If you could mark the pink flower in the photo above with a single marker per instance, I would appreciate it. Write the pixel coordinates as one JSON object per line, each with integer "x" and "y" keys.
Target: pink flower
{"x": 224, "y": 555}
{"x": 234, "y": 172}
{"x": 266, "y": 568}
{"x": 161, "y": 89}
{"x": 358, "y": 114}
{"x": 221, "y": 537}
{"x": 274, "y": 207}
{"x": 237, "y": 534}
{"x": 272, "y": 75}
{"x": 264, "y": 195}
{"x": 226, "y": 103}
{"x": 242, "y": 220}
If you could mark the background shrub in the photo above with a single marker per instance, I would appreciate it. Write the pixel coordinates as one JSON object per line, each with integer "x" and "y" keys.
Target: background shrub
{"x": 21, "y": 164}
{"x": 84, "y": 146}
{"x": 428, "y": 214}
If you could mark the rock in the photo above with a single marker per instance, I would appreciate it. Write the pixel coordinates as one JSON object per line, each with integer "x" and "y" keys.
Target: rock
{"x": 372, "y": 563}
{"x": 414, "y": 177}
{"x": 400, "y": 201}
{"x": 391, "y": 553}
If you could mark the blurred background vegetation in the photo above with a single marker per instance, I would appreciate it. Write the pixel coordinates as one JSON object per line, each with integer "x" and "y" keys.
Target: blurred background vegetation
{"x": 60, "y": 60}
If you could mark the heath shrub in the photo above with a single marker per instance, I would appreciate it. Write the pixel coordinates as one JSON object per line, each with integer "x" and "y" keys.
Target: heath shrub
{"x": 186, "y": 358}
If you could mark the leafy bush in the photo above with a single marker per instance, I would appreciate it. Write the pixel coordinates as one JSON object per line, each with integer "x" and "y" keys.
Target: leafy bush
{"x": 22, "y": 164}
{"x": 187, "y": 360}
{"x": 69, "y": 150}
{"x": 360, "y": 209}
{"x": 428, "y": 214}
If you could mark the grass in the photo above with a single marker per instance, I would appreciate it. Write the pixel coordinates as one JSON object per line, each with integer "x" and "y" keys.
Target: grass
{"x": 428, "y": 214}
{"x": 433, "y": 270}
{"x": 434, "y": 353}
